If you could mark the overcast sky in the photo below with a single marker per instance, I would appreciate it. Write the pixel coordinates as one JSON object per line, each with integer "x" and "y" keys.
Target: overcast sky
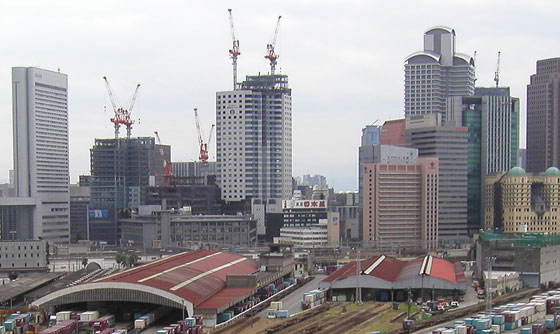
{"x": 344, "y": 60}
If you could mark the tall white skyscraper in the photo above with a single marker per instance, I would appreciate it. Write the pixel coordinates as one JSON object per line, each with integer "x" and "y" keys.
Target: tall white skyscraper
{"x": 40, "y": 129}
{"x": 254, "y": 139}
{"x": 435, "y": 73}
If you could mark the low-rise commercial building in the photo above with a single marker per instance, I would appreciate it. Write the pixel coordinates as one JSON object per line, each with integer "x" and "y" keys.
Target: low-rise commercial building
{"x": 23, "y": 255}
{"x": 180, "y": 228}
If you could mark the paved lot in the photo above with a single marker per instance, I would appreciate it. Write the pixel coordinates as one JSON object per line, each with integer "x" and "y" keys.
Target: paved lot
{"x": 292, "y": 302}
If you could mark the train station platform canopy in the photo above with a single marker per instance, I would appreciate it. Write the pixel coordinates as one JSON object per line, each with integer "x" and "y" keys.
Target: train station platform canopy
{"x": 181, "y": 280}
{"x": 385, "y": 273}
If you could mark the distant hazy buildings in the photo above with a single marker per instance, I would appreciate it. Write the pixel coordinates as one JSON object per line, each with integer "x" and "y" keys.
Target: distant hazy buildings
{"x": 254, "y": 139}
{"x": 435, "y": 73}
{"x": 314, "y": 180}
{"x": 518, "y": 202}
{"x": 449, "y": 144}
{"x": 543, "y": 114}
{"x": 401, "y": 203}
{"x": 40, "y": 131}
{"x": 492, "y": 119}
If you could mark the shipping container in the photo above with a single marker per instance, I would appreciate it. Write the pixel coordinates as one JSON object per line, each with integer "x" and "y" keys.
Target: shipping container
{"x": 281, "y": 313}
{"x": 89, "y": 315}
{"x": 140, "y": 323}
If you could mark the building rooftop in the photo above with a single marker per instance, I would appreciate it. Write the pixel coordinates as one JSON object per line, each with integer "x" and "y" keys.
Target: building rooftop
{"x": 517, "y": 171}
{"x": 552, "y": 171}
{"x": 394, "y": 270}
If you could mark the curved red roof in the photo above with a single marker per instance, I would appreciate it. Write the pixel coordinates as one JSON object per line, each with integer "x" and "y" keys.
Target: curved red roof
{"x": 195, "y": 276}
{"x": 391, "y": 269}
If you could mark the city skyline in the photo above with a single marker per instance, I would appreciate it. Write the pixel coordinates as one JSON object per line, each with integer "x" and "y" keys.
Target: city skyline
{"x": 179, "y": 54}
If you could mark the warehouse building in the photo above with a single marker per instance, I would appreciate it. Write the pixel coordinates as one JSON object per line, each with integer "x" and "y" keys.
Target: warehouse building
{"x": 533, "y": 255}
{"x": 204, "y": 282}
{"x": 384, "y": 278}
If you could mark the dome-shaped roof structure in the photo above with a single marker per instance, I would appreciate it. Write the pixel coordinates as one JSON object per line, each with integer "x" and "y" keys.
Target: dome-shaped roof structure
{"x": 552, "y": 171}
{"x": 517, "y": 171}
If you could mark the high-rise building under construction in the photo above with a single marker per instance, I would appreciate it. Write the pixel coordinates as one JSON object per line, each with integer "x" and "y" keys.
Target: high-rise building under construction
{"x": 254, "y": 139}
{"x": 121, "y": 170}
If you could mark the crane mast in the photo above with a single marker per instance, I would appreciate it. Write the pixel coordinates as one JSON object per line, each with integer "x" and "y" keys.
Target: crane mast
{"x": 271, "y": 53}
{"x": 234, "y": 51}
{"x": 122, "y": 115}
{"x": 167, "y": 173}
{"x": 497, "y": 73}
{"x": 203, "y": 144}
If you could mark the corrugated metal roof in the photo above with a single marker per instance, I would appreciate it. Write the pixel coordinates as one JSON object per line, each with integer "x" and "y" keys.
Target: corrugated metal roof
{"x": 443, "y": 269}
{"x": 226, "y": 298}
{"x": 392, "y": 270}
{"x": 195, "y": 276}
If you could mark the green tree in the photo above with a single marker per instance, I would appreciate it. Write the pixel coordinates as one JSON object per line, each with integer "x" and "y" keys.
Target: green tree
{"x": 84, "y": 262}
{"x": 120, "y": 259}
{"x": 132, "y": 259}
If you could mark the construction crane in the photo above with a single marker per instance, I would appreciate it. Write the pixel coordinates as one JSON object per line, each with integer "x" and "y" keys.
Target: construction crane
{"x": 167, "y": 173}
{"x": 122, "y": 115}
{"x": 203, "y": 154}
{"x": 271, "y": 54}
{"x": 234, "y": 51}
{"x": 497, "y": 73}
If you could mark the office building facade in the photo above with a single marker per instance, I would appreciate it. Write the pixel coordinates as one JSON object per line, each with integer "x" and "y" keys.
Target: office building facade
{"x": 543, "y": 112}
{"x": 449, "y": 143}
{"x": 254, "y": 139}
{"x": 401, "y": 204}
{"x": 435, "y": 73}
{"x": 79, "y": 217}
{"x": 40, "y": 130}
{"x": 492, "y": 119}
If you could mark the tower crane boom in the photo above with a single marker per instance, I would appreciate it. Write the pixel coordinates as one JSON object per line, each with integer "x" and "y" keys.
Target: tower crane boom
{"x": 122, "y": 115}
{"x": 271, "y": 53}
{"x": 497, "y": 73}
{"x": 234, "y": 51}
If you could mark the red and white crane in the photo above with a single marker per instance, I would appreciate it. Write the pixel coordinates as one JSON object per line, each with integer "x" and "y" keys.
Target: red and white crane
{"x": 203, "y": 144}
{"x": 234, "y": 51}
{"x": 122, "y": 115}
{"x": 271, "y": 54}
{"x": 167, "y": 172}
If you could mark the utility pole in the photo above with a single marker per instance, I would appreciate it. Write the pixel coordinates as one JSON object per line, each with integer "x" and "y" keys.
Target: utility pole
{"x": 358, "y": 272}
{"x": 490, "y": 260}
{"x": 183, "y": 309}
